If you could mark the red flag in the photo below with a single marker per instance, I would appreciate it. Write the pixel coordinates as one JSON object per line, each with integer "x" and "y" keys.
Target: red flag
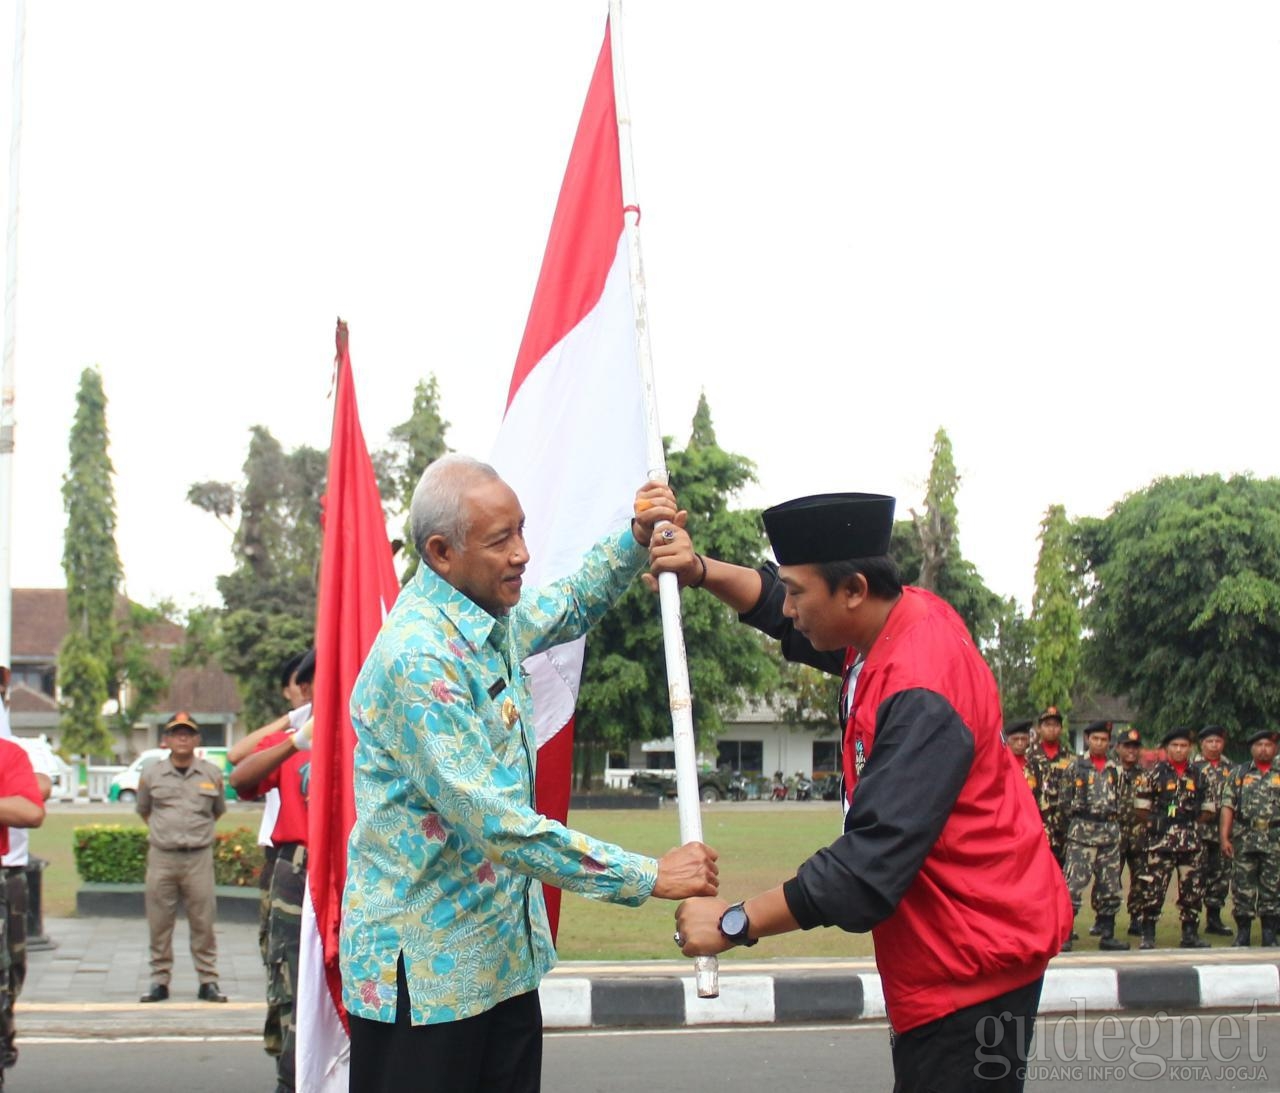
{"x": 572, "y": 443}
{"x": 357, "y": 588}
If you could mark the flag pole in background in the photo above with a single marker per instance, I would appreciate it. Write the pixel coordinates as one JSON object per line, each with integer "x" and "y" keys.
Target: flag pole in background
{"x": 706, "y": 968}
{"x": 357, "y": 588}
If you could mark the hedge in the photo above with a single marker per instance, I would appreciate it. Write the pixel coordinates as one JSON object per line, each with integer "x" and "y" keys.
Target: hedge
{"x": 115, "y": 854}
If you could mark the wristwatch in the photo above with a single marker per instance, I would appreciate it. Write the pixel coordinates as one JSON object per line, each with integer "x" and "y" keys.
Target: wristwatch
{"x": 735, "y": 925}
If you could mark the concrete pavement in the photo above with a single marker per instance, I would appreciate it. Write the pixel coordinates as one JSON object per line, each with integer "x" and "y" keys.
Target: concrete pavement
{"x": 90, "y": 982}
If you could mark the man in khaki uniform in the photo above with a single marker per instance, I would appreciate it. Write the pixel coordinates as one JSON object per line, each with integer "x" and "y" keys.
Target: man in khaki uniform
{"x": 181, "y": 799}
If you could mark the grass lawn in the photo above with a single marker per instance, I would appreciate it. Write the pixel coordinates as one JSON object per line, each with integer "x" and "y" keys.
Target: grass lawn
{"x": 759, "y": 848}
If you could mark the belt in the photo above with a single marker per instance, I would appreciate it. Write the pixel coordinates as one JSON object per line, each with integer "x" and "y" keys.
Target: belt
{"x": 1263, "y": 825}
{"x": 1096, "y": 818}
{"x": 183, "y": 849}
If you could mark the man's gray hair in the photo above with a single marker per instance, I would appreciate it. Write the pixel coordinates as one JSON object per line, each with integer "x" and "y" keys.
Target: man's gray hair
{"x": 437, "y": 508}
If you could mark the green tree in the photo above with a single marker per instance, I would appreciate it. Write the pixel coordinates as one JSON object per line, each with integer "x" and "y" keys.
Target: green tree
{"x": 927, "y": 548}
{"x": 1185, "y": 607}
{"x": 1008, "y": 653}
{"x": 93, "y": 572}
{"x": 938, "y": 528}
{"x": 623, "y": 694}
{"x": 269, "y": 598}
{"x": 1055, "y": 613}
{"x": 411, "y": 447}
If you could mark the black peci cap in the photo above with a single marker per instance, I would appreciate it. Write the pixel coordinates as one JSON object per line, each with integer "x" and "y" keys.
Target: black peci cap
{"x": 1097, "y": 726}
{"x": 1017, "y": 727}
{"x": 1175, "y": 734}
{"x": 830, "y": 527}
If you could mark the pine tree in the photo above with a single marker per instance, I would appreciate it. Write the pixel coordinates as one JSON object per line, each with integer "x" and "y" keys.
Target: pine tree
{"x": 1055, "y": 613}
{"x": 93, "y": 573}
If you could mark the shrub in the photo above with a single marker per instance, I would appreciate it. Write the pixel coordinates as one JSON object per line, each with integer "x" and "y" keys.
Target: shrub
{"x": 111, "y": 854}
{"x": 237, "y": 858}
{"x": 115, "y": 854}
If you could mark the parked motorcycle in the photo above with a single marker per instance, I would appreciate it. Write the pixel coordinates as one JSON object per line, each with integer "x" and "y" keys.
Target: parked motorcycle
{"x": 801, "y": 788}
{"x": 778, "y": 791}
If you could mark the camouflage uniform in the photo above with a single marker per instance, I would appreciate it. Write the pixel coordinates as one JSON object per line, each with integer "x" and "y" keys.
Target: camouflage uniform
{"x": 1173, "y": 802}
{"x": 284, "y": 938}
{"x": 1133, "y": 837}
{"x": 13, "y": 880}
{"x": 1216, "y": 865}
{"x": 1092, "y": 801}
{"x": 272, "y": 1037}
{"x": 1052, "y": 783}
{"x": 1255, "y": 836}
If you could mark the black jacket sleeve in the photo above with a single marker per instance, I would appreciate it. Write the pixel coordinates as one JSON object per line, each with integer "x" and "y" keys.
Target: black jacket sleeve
{"x": 767, "y": 617}
{"x": 918, "y": 765}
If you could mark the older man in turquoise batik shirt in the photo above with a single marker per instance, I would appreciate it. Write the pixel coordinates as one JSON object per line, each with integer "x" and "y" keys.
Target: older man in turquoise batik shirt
{"x": 444, "y": 931}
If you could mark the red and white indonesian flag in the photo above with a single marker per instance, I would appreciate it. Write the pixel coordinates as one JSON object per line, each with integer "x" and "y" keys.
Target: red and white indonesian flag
{"x": 572, "y": 443}
{"x": 357, "y": 588}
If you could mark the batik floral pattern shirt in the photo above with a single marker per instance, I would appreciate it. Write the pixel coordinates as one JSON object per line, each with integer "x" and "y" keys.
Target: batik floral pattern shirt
{"x": 447, "y": 848}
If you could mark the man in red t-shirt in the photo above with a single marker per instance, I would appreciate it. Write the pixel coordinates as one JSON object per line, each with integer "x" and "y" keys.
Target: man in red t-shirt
{"x": 21, "y": 805}
{"x": 282, "y": 762}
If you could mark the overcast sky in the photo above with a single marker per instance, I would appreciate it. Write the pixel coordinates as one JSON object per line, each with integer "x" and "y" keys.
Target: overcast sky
{"x": 1051, "y": 228}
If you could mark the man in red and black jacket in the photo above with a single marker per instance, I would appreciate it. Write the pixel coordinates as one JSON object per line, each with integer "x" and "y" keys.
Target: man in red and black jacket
{"x": 941, "y": 839}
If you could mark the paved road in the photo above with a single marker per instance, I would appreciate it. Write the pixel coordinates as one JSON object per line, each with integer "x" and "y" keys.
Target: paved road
{"x": 1127, "y": 1054}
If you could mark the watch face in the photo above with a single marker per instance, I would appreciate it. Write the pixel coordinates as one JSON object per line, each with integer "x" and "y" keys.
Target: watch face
{"x": 734, "y": 923}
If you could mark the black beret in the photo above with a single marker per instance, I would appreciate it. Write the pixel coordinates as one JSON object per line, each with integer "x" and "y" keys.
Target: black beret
{"x": 1175, "y": 734}
{"x": 1097, "y": 726}
{"x": 1130, "y": 736}
{"x": 830, "y": 527}
{"x": 1052, "y": 713}
{"x": 1213, "y": 730}
{"x": 1016, "y": 727}
{"x": 1264, "y": 734}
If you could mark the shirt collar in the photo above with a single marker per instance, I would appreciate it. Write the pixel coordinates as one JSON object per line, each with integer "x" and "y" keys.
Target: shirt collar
{"x": 474, "y": 623}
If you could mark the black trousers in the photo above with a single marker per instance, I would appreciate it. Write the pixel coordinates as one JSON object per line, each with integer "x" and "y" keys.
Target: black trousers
{"x": 498, "y": 1051}
{"x": 979, "y": 1049}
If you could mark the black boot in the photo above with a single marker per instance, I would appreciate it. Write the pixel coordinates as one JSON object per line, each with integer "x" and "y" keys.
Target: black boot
{"x": 1148, "y": 934}
{"x": 1214, "y": 925}
{"x": 1269, "y": 931}
{"x": 1135, "y": 926}
{"x": 1243, "y": 926}
{"x": 1108, "y": 941}
{"x": 1191, "y": 938}
{"x": 1096, "y": 929}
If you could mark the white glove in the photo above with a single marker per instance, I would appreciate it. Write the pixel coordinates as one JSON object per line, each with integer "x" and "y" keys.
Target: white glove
{"x": 302, "y": 738}
{"x": 298, "y": 716}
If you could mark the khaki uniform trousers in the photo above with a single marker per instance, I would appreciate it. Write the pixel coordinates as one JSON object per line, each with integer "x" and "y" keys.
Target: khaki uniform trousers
{"x": 185, "y": 875}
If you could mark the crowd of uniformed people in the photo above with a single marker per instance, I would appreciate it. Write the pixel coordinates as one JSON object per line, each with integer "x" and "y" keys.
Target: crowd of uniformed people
{"x": 1186, "y": 811}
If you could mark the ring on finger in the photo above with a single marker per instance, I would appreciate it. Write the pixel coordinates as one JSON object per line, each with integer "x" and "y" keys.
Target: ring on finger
{"x": 668, "y": 534}
{"x": 678, "y": 938}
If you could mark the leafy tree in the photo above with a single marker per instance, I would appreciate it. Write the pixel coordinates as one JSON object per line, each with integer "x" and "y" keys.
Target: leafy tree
{"x": 269, "y": 597}
{"x": 1055, "y": 613}
{"x": 807, "y": 698}
{"x": 93, "y": 572}
{"x": 938, "y": 528}
{"x": 138, "y": 679}
{"x": 1185, "y": 606}
{"x": 622, "y": 698}
{"x": 927, "y": 548}
{"x": 411, "y": 447}
{"x": 1008, "y": 653}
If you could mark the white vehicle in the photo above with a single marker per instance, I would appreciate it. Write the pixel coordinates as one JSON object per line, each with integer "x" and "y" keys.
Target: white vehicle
{"x": 44, "y": 760}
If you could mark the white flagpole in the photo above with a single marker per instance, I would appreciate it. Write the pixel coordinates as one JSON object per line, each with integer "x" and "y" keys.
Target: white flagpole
{"x": 6, "y": 363}
{"x": 706, "y": 968}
